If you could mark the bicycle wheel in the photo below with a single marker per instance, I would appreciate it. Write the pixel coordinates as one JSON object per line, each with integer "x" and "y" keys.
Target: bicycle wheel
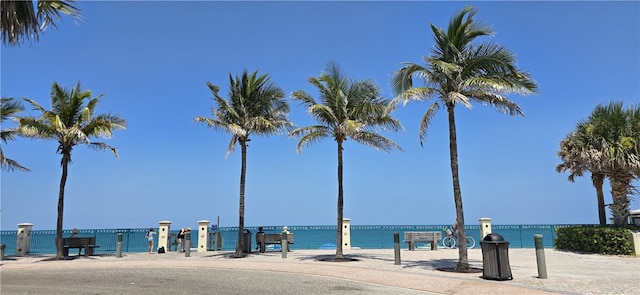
{"x": 448, "y": 242}
{"x": 471, "y": 242}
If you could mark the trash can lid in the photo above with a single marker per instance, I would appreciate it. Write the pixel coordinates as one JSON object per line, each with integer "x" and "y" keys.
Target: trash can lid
{"x": 493, "y": 237}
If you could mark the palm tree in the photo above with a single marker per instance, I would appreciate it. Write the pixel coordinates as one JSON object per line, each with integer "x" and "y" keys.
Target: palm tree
{"x": 347, "y": 109}
{"x": 613, "y": 133}
{"x": 607, "y": 145}
{"x": 8, "y": 109}
{"x": 461, "y": 72}
{"x": 21, "y": 21}
{"x": 70, "y": 122}
{"x": 255, "y": 106}
{"x": 578, "y": 157}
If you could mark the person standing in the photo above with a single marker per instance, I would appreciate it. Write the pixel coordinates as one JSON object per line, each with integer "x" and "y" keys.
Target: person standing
{"x": 180, "y": 237}
{"x": 150, "y": 235}
{"x": 74, "y": 234}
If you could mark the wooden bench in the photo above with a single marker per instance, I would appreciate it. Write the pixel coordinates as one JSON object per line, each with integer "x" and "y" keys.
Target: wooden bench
{"x": 86, "y": 243}
{"x": 413, "y": 237}
{"x": 263, "y": 239}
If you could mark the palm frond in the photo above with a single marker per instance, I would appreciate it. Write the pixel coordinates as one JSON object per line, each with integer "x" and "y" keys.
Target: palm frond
{"x": 255, "y": 105}
{"x": 10, "y": 165}
{"x": 101, "y": 146}
{"x": 426, "y": 120}
{"x": 232, "y": 145}
{"x": 310, "y": 135}
{"x": 376, "y": 141}
{"x": 70, "y": 121}
{"x": 345, "y": 108}
{"x": 51, "y": 11}
{"x": 21, "y": 21}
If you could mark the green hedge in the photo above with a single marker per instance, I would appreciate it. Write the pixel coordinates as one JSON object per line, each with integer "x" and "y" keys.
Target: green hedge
{"x": 595, "y": 239}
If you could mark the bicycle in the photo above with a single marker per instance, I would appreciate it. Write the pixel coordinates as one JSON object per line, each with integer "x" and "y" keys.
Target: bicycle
{"x": 450, "y": 240}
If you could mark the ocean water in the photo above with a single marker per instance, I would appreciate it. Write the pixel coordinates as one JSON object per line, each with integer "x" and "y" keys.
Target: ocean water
{"x": 305, "y": 237}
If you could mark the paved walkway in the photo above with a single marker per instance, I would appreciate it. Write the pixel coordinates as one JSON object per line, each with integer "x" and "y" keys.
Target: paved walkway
{"x": 305, "y": 272}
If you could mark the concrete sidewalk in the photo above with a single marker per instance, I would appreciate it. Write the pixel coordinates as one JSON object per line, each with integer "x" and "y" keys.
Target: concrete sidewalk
{"x": 568, "y": 273}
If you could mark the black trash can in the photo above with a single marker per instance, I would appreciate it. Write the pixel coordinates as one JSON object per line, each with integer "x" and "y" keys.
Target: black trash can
{"x": 495, "y": 258}
{"x": 247, "y": 241}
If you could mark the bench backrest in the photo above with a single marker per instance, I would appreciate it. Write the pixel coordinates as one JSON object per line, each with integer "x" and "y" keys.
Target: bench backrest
{"x": 75, "y": 242}
{"x": 273, "y": 238}
{"x": 422, "y": 235}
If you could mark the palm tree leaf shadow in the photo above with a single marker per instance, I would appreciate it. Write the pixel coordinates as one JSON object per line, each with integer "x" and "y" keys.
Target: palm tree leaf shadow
{"x": 448, "y": 265}
{"x": 345, "y": 258}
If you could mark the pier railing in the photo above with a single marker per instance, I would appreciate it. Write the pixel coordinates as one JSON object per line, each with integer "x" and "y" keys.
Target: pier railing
{"x": 306, "y": 237}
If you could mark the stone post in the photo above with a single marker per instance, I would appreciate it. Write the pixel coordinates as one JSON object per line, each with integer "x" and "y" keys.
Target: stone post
{"x": 163, "y": 235}
{"x": 485, "y": 227}
{"x": 24, "y": 239}
{"x": 346, "y": 234}
{"x": 203, "y": 235}
{"x": 635, "y": 237}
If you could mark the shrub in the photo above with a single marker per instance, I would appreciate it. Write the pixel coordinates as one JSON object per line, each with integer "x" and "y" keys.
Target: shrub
{"x": 595, "y": 239}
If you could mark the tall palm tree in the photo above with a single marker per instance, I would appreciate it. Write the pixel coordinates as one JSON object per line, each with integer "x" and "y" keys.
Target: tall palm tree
{"x": 461, "y": 72}
{"x": 8, "y": 109}
{"x": 347, "y": 109}
{"x": 21, "y": 21}
{"x": 71, "y": 121}
{"x": 255, "y": 106}
{"x": 579, "y": 156}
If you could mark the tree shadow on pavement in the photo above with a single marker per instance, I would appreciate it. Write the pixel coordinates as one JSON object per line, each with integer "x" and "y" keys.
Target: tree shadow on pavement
{"x": 447, "y": 265}
{"x": 332, "y": 258}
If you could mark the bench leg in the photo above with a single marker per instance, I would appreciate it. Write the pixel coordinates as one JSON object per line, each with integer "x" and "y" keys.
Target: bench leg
{"x": 411, "y": 246}
{"x": 65, "y": 252}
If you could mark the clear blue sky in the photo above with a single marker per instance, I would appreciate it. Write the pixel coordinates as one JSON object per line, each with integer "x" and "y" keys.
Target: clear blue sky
{"x": 152, "y": 59}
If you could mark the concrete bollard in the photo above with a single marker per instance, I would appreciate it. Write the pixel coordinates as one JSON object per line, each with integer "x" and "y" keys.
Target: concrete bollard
{"x": 542, "y": 264}
{"x": 187, "y": 243}
{"x": 119, "y": 246}
{"x": 396, "y": 247}
{"x": 24, "y": 239}
{"x": 284, "y": 244}
{"x": 346, "y": 234}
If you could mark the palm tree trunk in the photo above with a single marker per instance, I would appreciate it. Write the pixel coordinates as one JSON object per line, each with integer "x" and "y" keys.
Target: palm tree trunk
{"x": 339, "y": 255}
{"x": 598, "y": 182}
{"x": 463, "y": 260}
{"x": 66, "y": 157}
{"x": 620, "y": 187}
{"x": 243, "y": 172}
